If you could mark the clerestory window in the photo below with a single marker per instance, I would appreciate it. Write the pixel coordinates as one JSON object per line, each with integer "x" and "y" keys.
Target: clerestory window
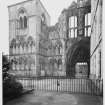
{"x": 87, "y": 24}
{"x": 73, "y": 26}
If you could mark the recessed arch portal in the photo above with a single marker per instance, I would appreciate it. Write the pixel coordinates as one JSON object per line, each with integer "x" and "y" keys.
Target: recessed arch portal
{"x": 78, "y": 53}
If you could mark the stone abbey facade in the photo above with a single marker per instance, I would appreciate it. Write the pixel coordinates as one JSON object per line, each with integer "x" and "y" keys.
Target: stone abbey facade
{"x": 38, "y": 49}
{"x": 28, "y": 22}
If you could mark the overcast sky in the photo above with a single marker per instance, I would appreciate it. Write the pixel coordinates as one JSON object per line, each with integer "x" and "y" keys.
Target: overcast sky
{"x": 54, "y": 8}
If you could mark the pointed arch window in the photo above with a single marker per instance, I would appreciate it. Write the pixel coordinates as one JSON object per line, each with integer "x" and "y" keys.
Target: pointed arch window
{"x": 21, "y": 22}
{"x": 59, "y": 64}
{"x": 14, "y": 50}
{"x": 60, "y": 49}
{"x": 72, "y": 26}
{"x": 25, "y": 22}
{"x": 87, "y": 19}
{"x": 22, "y": 19}
{"x": 87, "y": 24}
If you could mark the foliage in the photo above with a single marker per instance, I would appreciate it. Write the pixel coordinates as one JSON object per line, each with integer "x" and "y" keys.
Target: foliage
{"x": 10, "y": 86}
{"x": 5, "y": 67}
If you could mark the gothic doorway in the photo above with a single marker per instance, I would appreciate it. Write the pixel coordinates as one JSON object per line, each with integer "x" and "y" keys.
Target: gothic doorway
{"x": 78, "y": 63}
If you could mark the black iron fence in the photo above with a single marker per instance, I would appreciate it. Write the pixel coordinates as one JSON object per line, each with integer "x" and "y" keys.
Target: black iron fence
{"x": 63, "y": 84}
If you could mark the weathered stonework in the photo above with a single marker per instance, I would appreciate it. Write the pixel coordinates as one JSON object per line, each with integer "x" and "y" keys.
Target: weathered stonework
{"x": 71, "y": 45}
{"x": 25, "y": 42}
{"x": 55, "y": 49}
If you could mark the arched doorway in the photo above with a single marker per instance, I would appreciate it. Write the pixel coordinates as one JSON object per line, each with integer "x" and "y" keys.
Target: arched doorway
{"x": 78, "y": 63}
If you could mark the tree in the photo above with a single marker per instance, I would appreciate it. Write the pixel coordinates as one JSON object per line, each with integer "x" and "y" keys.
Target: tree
{"x": 5, "y": 67}
{"x": 11, "y": 87}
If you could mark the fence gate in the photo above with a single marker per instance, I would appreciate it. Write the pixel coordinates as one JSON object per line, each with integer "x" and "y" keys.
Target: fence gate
{"x": 63, "y": 84}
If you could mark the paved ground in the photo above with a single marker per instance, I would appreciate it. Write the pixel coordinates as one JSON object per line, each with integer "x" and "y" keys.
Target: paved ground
{"x": 54, "y": 98}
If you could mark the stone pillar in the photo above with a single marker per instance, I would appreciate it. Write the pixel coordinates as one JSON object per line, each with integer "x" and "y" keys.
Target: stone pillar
{"x": 37, "y": 60}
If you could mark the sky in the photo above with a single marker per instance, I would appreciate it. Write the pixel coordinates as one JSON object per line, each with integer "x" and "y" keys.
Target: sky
{"x": 54, "y": 8}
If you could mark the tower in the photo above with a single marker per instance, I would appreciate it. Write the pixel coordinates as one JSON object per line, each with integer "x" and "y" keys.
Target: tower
{"x": 25, "y": 33}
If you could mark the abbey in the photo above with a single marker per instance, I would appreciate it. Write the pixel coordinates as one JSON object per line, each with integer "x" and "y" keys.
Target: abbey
{"x": 70, "y": 40}
{"x": 39, "y": 49}
{"x": 28, "y": 22}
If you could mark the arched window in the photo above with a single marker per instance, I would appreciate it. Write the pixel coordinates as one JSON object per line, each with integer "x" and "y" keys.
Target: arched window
{"x": 57, "y": 50}
{"x": 59, "y": 64}
{"x": 58, "y": 47}
{"x": 25, "y": 22}
{"x": 73, "y": 21}
{"x": 22, "y": 19}
{"x": 87, "y": 24}
{"x": 60, "y": 50}
{"x": 21, "y": 22}
{"x": 87, "y": 19}
{"x": 72, "y": 33}
{"x": 31, "y": 44}
{"x": 13, "y": 46}
{"x": 18, "y": 66}
{"x": 73, "y": 26}
{"x": 81, "y": 3}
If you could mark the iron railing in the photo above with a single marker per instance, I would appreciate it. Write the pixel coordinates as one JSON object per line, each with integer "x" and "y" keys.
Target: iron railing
{"x": 63, "y": 84}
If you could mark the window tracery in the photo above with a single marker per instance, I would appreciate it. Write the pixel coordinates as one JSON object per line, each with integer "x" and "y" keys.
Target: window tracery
{"x": 87, "y": 24}
{"x": 22, "y": 19}
{"x": 72, "y": 26}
